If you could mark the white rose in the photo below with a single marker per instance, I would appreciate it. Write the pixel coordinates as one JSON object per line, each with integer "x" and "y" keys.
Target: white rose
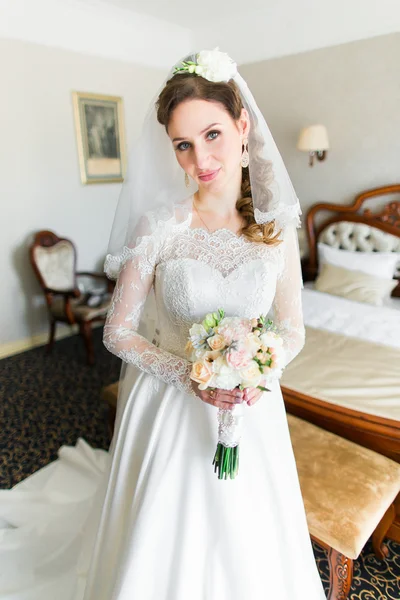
{"x": 197, "y": 330}
{"x": 197, "y": 335}
{"x": 251, "y": 375}
{"x": 271, "y": 340}
{"x": 224, "y": 378}
{"x": 252, "y": 343}
{"x": 271, "y": 376}
{"x": 216, "y": 65}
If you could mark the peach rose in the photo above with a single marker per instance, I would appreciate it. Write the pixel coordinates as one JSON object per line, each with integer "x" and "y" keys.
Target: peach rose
{"x": 211, "y": 355}
{"x": 216, "y": 342}
{"x": 189, "y": 349}
{"x": 202, "y": 373}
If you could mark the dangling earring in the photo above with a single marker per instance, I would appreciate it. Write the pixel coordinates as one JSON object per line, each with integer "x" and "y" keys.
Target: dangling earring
{"x": 245, "y": 154}
{"x": 187, "y": 180}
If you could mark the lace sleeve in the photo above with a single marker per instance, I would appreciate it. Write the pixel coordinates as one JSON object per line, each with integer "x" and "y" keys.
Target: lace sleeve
{"x": 287, "y": 308}
{"x": 120, "y": 331}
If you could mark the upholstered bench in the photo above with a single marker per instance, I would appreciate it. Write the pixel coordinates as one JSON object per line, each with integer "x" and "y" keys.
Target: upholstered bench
{"x": 348, "y": 494}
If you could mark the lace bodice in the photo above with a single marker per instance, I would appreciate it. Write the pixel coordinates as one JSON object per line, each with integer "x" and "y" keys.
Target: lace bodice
{"x": 195, "y": 272}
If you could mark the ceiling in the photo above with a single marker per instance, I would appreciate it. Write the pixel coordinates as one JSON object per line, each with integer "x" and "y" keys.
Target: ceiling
{"x": 158, "y": 32}
{"x": 189, "y": 14}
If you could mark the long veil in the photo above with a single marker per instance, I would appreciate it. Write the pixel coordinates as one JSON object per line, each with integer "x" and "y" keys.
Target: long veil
{"x": 155, "y": 186}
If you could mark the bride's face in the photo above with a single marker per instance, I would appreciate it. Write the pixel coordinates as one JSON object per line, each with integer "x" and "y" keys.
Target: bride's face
{"x": 208, "y": 142}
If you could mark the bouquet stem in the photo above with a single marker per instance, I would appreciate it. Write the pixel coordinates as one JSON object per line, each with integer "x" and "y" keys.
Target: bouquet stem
{"x": 226, "y": 461}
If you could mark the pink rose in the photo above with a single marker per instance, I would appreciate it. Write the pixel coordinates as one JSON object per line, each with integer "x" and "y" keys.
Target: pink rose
{"x": 233, "y": 328}
{"x": 238, "y": 358}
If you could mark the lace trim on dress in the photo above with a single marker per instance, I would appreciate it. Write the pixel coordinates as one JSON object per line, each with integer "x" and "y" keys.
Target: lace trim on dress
{"x": 283, "y": 216}
{"x": 222, "y": 249}
{"x": 136, "y": 273}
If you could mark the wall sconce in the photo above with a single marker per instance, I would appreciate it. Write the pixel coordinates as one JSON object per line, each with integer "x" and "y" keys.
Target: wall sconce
{"x": 314, "y": 140}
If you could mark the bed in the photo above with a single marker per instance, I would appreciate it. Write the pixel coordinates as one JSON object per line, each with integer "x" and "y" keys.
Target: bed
{"x": 347, "y": 378}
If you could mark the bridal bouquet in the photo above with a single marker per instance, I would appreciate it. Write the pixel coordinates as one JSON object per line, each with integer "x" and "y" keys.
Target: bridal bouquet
{"x": 230, "y": 352}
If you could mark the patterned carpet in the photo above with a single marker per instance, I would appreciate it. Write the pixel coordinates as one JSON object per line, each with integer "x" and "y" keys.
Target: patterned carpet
{"x": 47, "y": 401}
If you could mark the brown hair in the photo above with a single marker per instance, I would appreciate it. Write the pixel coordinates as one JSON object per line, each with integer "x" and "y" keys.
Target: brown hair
{"x": 185, "y": 86}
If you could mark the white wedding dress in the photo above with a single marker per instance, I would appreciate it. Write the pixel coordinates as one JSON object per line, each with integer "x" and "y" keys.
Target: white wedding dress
{"x": 149, "y": 520}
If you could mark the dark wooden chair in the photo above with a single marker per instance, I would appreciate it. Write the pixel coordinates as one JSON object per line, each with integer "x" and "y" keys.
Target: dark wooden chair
{"x": 66, "y": 290}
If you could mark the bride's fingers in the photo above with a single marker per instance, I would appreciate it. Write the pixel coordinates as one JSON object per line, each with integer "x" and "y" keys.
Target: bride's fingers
{"x": 230, "y": 396}
{"x": 253, "y": 396}
{"x": 221, "y": 399}
{"x": 218, "y": 404}
{"x": 250, "y": 393}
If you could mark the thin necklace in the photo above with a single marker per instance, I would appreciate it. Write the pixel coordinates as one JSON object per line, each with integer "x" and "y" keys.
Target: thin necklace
{"x": 202, "y": 220}
{"x": 204, "y": 223}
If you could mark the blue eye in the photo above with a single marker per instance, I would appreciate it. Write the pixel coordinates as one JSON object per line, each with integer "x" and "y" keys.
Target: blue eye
{"x": 183, "y": 146}
{"x": 212, "y": 135}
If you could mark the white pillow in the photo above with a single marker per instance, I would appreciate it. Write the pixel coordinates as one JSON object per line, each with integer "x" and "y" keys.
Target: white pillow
{"x": 378, "y": 264}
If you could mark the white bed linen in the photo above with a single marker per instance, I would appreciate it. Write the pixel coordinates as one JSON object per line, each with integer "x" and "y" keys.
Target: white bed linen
{"x": 343, "y": 379}
{"x": 380, "y": 324}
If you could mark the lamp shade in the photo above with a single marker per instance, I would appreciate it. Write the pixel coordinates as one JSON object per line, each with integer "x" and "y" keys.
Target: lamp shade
{"x": 313, "y": 139}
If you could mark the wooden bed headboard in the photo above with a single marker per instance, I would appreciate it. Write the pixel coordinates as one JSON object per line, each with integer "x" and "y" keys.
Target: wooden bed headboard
{"x": 354, "y": 222}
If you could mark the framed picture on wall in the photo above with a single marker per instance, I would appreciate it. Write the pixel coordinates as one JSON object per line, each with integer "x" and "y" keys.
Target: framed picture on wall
{"x": 99, "y": 123}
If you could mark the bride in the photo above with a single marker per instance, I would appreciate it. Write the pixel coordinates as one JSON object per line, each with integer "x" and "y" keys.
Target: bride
{"x": 207, "y": 219}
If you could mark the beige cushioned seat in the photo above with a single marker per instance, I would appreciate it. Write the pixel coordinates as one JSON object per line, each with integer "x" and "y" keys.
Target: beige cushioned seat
{"x": 80, "y": 311}
{"x": 346, "y": 488}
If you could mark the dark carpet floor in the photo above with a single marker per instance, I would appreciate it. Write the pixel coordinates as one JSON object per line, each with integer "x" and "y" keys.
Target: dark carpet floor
{"x": 50, "y": 400}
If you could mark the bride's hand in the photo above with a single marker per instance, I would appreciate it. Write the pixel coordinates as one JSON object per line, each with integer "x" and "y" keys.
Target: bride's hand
{"x": 226, "y": 399}
{"x": 252, "y": 395}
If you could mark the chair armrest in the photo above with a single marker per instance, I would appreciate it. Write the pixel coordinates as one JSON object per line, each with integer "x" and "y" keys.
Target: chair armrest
{"x": 91, "y": 274}
{"x": 67, "y": 294}
{"x": 103, "y": 276}
{"x": 72, "y": 293}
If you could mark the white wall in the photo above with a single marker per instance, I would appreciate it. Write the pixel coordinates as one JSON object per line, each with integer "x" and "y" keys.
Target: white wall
{"x": 292, "y": 26}
{"x": 354, "y": 90}
{"x": 47, "y": 49}
{"x": 40, "y": 184}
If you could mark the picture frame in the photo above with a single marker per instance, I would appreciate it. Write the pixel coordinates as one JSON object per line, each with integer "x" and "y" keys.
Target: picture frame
{"x": 100, "y": 134}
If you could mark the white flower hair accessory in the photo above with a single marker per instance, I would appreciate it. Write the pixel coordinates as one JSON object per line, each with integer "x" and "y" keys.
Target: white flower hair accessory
{"x": 211, "y": 64}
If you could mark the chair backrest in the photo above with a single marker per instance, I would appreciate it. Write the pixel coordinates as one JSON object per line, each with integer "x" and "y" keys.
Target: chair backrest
{"x": 54, "y": 261}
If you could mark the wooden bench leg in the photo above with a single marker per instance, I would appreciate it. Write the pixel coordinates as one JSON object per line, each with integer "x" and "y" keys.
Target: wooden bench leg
{"x": 341, "y": 575}
{"x": 380, "y": 549}
{"x": 394, "y": 531}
